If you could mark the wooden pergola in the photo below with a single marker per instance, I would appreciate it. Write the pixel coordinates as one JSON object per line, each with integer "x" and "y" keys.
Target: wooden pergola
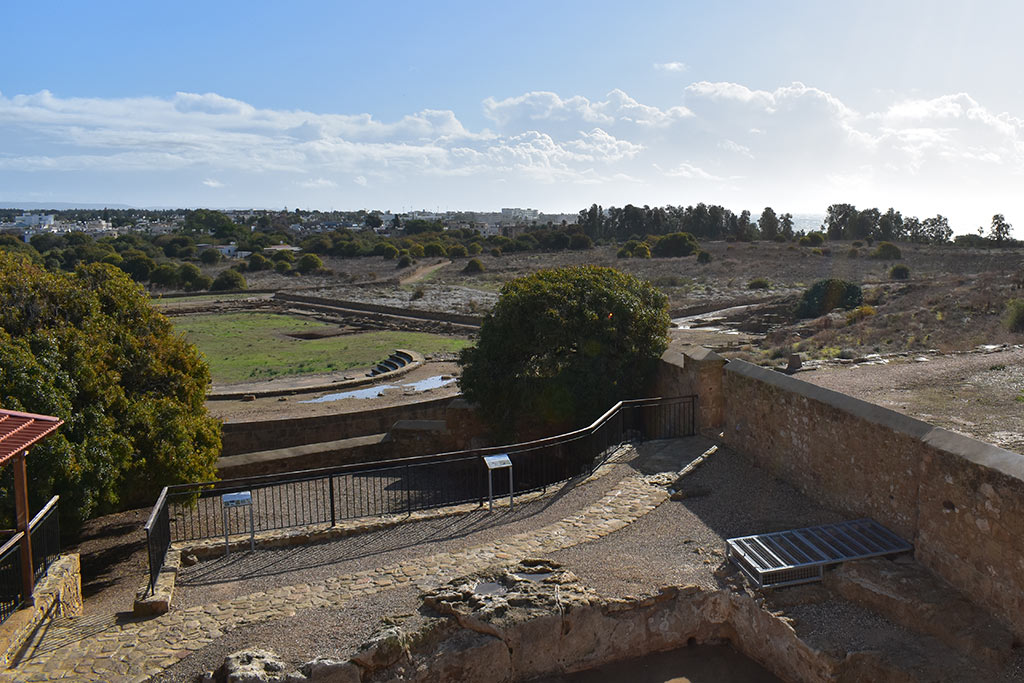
{"x": 18, "y": 433}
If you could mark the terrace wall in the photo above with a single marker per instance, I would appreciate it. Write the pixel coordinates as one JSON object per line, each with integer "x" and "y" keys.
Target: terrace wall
{"x": 959, "y": 500}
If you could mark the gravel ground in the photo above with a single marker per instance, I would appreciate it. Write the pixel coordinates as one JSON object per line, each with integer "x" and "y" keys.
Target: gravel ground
{"x": 726, "y": 496}
{"x": 977, "y": 394}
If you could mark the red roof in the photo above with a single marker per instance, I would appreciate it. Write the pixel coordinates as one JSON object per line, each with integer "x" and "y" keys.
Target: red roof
{"x": 19, "y": 431}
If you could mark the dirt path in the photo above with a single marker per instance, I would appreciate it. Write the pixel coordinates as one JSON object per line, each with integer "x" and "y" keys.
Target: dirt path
{"x": 421, "y": 273}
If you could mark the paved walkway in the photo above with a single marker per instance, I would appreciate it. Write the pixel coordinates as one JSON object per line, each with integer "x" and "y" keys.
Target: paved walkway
{"x": 108, "y": 649}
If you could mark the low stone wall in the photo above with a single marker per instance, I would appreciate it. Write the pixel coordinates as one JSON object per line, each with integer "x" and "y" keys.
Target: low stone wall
{"x": 693, "y": 371}
{"x": 438, "y": 316}
{"x": 265, "y": 435}
{"x": 58, "y": 594}
{"x": 959, "y": 500}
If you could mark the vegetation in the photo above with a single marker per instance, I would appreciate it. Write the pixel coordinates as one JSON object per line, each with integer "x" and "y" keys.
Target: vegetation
{"x": 473, "y": 266}
{"x": 88, "y": 348}
{"x": 899, "y": 272}
{"x": 676, "y": 244}
{"x": 887, "y": 251}
{"x": 759, "y": 283}
{"x": 826, "y": 295}
{"x": 246, "y": 346}
{"x": 228, "y": 280}
{"x": 1014, "y": 316}
{"x": 561, "y": 346}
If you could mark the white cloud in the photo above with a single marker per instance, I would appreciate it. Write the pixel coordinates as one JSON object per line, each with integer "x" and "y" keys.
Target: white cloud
{"x": 212, "y": 182}
{"x": 731, "y": 146}
{"x": 317, "y": 183}
{"x": 618, "y": 107}
{"x": 691, "y": 172}
{"x": 676, "y": 67}
{"x": 360, "y": 180}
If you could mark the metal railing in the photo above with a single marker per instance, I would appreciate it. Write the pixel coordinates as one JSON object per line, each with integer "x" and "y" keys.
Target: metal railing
{"x": 44, "y": 530}
{"x": 189, "y": 512}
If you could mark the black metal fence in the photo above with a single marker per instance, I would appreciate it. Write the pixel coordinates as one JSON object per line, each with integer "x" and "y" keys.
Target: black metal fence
{"x": 190, "y": 512}
{"x": 44, "y": 532}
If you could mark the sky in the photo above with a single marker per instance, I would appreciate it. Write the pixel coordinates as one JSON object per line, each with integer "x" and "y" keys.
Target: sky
{"x": 549, "y": 105}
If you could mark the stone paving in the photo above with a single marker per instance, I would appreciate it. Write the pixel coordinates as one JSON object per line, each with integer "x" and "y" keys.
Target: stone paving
{"x": 126, "y": 649}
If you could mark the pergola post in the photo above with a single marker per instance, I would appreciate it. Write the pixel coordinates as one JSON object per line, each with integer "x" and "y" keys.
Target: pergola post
{"x": 22, "y": 519}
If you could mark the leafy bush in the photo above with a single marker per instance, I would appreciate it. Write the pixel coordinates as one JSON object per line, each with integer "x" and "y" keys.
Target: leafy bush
{"x": 418, "y": 293}
{"x": 886, "y": 251}
{"x": 259, "y": 262}
{"x": 1014, "y": 316}
{"x": 404, "y": 262}
{"x": 496, "y": 252}
{"x": 642, "y": 251}
{"x": 473, "y": 266}
{"x": 457, "y": 251}
{"x": 434, "y": 249}
{"x": 825, "y": 295}
{"x": 623, "y": 252}
{"x": 309, "y": 263}
{"x": 283, "y": 268}
{"x": 579, "y": 242}
{"x": 703, "y": 257}
{"x": 676, "y": 244}
{"x": 899, "y": 272}
{"x": 388, "y": 250}
{"x": 812, "y": 239}
{"x": 89, "y": 348}
{"x": 210, "y": 257}
{"x": 759, "y": 283}
{"x": 474, "y": 248}
{"x": 562, "y": 346}
{"x": 228, "y": 279}
{"x": 859, "y": 313}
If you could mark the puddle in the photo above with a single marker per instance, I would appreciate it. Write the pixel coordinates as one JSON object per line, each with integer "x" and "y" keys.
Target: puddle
{"x": 434, "y": 382}
{"x": 369, "y": 392}
{"x": 533, "y": 578}
{"x": 489, "y": 588}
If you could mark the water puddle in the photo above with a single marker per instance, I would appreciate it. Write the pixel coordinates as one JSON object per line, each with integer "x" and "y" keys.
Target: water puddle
{"x": 369, "y": 392}
{"x": 435, "y": 382}
{"x": 489, "y": 588}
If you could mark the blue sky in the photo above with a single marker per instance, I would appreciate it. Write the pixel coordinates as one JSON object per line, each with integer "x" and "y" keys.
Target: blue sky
{"x": 460, "y": 105}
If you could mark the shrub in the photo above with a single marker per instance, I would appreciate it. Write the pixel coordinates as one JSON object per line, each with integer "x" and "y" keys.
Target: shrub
{"x": 676, "y": 244}
{"x": 473, "y": 266}
{"x": 703, "y": 257}
{"x": 886, "y": 251}
{"x": 457, "y": 251}
{"x": 259, "y": 262}
{"x": 642, "y": 251}
{"x": 759, "y": 283}
{"x": 416, "y": 250}
{"x": 853, "y": 253}
{"x": 282, "y": 256}
{"x": 474, "y": 248}
{"x": 812, "y": 239}
{"x": 825, "y": 295}
{"x": 859, "y": 313}
{"x": 624, "y": 253}
{"x": 404, "y": 262}
{"x": 562, "y": 346}
{"x": 388, "y": 250}
{"x": 434, "y": 249}
{"x": 418, "y": 293}
{"x": 309, "y": 263}
{"x": 1014, "y": 316}
{"x": 283, "y": 268}
{"x": 579, "y": 242}
{"x": 210, "y": 257}
{"x": 496, "y": 252}
{"x": 899, "y": 272}
{"x": 228, "y": 279}
{"x": 857, "y": 244}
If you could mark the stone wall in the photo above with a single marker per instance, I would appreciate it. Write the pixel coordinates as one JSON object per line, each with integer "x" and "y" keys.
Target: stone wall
{"x": 58, "y": 594}
{"x": 959, "y": 500}
{"x": 265, "y": 435}
{"x": 693, "y": 371}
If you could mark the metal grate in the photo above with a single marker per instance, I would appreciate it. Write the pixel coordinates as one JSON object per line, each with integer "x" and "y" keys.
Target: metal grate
{"x": 796, "y": 556}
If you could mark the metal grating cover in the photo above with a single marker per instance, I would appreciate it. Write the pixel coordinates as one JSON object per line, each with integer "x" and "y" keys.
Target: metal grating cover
{"x": 796, "y": 556}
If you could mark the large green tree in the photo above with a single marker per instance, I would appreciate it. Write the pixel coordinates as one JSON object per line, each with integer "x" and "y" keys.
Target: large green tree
{"x": 562, "y": 346}
{"x": 88, "y": 348}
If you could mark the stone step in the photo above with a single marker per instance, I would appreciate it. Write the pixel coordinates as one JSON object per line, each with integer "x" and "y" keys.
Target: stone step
{"x": 913, "y": 597}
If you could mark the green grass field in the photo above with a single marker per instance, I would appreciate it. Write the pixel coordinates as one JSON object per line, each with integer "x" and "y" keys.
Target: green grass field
{"x": 243, "y": 347}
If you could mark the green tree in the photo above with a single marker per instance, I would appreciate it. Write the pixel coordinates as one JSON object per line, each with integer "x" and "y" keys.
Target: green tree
{"x": 209, "y": 257}
{"x": 768, "y": 223}
{"x": 227, "y": 280}
{"x": 88, "y": 348}
{"x": 309, "y": 263}
{"x": 676, "y": 244}
{"x": 825, "y": 295}
{"x": 1000, "y": 230}
{"x": 562, "y": 346}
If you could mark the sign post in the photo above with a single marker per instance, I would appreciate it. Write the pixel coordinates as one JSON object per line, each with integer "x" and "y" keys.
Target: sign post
{"x": 498, "y": 462}
{"x": 237, "y": 500}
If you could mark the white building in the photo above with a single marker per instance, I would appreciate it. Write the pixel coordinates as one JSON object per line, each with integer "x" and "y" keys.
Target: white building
{"x": 34, "y": 220}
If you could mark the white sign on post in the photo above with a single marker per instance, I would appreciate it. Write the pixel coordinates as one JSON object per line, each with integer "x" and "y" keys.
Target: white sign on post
{"x": 238, "y": 500}
{"x": 498, "y": 462}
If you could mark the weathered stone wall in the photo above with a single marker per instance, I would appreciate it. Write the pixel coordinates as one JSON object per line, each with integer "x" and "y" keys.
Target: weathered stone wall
{"x": 693, "y": 370}
{"x": 959, "y": 500}
{"x": 265, "y": 435}
{"x": 58, "y": 594}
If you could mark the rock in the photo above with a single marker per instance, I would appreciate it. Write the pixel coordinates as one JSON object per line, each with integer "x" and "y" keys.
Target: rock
{"x": 189, "y": 560}
{"x": 323, "y": 670}
{"x": 252, "y": 666}
{"x": 249, "y": 397}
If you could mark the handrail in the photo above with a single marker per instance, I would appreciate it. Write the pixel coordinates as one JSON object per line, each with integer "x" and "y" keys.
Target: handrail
{"x": 156, "y": 509}
{"x": 415, "y": 460}
{"x": 13, "y": 540}
{"x": 43, "y": 512}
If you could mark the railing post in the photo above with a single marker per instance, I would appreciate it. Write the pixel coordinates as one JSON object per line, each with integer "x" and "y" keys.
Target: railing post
{"x": 22, "y": 519}
{"x": 330, "y": 485}
{"x": 408, "y": 490}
